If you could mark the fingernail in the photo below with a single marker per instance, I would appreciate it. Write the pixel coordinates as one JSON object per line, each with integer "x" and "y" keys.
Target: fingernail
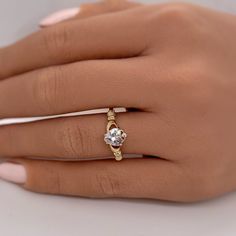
{"x": 59, "y": 16}
{"x": 14, "y": 173}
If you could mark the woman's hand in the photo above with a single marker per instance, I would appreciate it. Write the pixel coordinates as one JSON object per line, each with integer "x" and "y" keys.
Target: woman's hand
{"x": 171, "y": 65}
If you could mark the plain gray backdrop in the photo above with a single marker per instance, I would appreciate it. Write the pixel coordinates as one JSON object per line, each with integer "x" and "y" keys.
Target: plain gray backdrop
{"x": 27, "y": 214}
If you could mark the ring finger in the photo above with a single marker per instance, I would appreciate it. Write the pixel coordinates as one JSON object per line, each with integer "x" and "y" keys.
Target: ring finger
{"x": 72, "y": 138}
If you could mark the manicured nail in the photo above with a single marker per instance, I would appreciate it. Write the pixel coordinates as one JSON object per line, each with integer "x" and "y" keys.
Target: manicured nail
{"x": 14, "y": 173}
{"x": 59, "y": 16}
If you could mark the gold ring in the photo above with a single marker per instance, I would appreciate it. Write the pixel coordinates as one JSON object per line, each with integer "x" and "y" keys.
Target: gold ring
{"x": 114, "y": 136}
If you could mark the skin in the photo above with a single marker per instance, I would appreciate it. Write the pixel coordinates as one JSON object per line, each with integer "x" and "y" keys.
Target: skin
{"x": 171, "y": 65}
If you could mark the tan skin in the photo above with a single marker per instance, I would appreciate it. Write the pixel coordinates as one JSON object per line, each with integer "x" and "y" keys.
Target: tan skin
{"x": 173, "y": 64}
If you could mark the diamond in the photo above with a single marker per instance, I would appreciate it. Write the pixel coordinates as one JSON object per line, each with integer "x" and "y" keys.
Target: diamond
{"x": 115, "y": 137}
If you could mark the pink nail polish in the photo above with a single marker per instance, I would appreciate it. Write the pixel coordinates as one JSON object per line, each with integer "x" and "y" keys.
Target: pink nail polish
{"x": 59, "y": 16}
{"x": 14, "y": 173}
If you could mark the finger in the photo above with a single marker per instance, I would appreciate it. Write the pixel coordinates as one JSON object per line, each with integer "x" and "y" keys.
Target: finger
{"x": 134, "y": 178}
{"x": 76, "y": 87}
{"x": 87, "y": 10}
{"x": 103, "y": 7}
{"x": 60, "y": 16}
{"x": 80, "y": 40}
{"x": 71, "y": 138}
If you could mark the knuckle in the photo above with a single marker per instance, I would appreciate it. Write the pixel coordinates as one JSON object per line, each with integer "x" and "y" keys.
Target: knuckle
{"x": 200, "y": 94}
{"x": 176, "y": 12}
{"x": 173, "y": 16}
{"x": 107, "y": 185}
{"x": 204, "y": 192}
{"x": 47, "y": 87}
{"x": 192, "y": 85}
{"x": 57, "y": 40}
{"x": 76, "y": 139}
{"x": 199, "y": 186}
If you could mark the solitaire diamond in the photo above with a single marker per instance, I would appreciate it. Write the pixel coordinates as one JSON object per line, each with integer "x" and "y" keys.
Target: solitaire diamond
{"x": 115, "y": 137}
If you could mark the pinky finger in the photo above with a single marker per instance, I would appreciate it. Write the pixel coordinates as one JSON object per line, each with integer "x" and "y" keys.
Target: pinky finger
{"x": 132, "y": 178}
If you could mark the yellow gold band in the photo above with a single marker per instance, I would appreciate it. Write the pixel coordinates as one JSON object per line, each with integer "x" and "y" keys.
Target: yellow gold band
{"x": 114, "y": 136}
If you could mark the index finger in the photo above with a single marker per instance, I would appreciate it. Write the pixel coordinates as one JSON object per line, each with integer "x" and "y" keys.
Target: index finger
{"x": 110, "y": 36}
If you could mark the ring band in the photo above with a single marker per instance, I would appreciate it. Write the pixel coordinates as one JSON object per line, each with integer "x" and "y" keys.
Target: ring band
{"x": 114, "y": 136}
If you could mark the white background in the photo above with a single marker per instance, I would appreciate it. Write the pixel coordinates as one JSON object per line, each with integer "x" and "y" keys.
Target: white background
{"x": 27, "y": 214}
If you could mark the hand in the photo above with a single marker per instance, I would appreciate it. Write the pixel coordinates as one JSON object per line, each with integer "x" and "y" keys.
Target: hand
{"x": 171, "y": 65}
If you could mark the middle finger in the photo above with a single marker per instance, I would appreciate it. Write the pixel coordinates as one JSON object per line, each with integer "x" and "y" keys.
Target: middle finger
{"x": 75, "y": 87}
